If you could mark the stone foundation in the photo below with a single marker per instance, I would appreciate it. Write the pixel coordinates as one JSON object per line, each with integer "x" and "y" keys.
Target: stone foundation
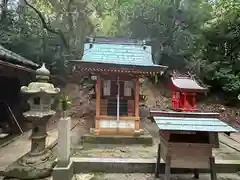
{"x": 31, "y": 167}
{"x": 117, "y": 139}
{"x": 116, "y": 132}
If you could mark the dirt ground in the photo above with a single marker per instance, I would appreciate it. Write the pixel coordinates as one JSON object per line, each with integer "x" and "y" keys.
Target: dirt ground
{"x": 137, "y": 151}
{"x": 138, "y": 176}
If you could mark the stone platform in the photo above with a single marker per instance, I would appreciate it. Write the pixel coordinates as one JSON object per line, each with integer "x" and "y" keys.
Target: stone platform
{"x": 127, "y": 165}
{"x": 92, "y": 139}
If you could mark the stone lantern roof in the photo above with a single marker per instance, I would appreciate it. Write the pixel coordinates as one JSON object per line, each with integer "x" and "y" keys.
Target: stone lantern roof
{"x": 41, "y": 85}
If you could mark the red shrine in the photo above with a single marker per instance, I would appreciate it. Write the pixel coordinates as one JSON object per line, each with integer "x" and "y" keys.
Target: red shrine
{"x": 184, "y": 90}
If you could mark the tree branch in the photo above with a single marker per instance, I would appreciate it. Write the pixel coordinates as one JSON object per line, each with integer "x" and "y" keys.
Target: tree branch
{"x": 45, "y": 26}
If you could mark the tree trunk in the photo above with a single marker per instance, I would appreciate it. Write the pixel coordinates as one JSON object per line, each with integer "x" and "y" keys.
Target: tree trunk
{"x": 3, "y": 10}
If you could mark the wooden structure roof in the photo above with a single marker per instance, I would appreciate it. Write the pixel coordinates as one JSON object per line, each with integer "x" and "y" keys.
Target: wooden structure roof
{"x": 186, "y": 83}
{"x": 191, "y": 121}
{"x": 12, "y": 61}
{"x": 117, "y": 55}
{"x": 17, "y": 59}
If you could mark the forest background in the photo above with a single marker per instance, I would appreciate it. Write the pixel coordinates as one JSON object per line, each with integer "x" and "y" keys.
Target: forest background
{"x": 200, "y": 36}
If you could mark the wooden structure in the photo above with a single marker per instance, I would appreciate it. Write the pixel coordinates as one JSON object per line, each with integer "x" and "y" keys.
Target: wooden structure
{"x": 14, "y": 71}
{"x": 187, "y": 139}
{"x": 184, "y": 91}
{"x": 116, "y": 64}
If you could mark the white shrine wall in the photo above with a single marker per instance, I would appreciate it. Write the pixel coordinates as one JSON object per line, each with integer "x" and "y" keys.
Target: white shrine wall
{"x": 117, "y": 124}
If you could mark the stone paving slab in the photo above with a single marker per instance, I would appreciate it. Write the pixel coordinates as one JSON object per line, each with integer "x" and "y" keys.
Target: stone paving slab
{"x": 140, "y": 176}
{"x": 230, "y": 140}
{"x": 21, "y": 146}
{"x": 236, "y": 137}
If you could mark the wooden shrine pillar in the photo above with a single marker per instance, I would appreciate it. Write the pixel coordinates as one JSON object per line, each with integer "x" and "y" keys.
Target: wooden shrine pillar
{"x": 194, "y": 101}
{"x": 98, "y": 98}
{"x": 174, "y": 99}
{"x": 184, "y": 100}
{"x": 137, "y": 92}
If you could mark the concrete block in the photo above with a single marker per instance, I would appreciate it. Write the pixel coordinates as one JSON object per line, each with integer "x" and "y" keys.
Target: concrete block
{"x": 63, "y": 172}
{"x": 126, "y": 165}
{"x": 64, "y": 140}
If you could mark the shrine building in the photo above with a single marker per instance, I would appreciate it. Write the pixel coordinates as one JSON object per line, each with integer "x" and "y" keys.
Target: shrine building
{"x": 117, "y": 64}
{"x": 184, "y": 91}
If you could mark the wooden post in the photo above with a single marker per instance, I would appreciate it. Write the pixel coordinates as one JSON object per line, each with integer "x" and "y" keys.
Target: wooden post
{"x": 194, "y": 101}
{"x": 98, "y": 96}
{"x": 173, "y": 99}
{"x": 167, "y": 168}
{"x": 196, "y": 174}
{"x": 137, "y": 92}
{"x": 157, "y": 167}
{"x": 212, "y": 168}
{"x": 184, "y": 100}
{"x": 118, "y": 104}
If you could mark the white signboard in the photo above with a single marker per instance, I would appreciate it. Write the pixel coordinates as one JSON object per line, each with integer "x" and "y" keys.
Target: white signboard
{"x": 106, "y": 87}
{"x": 128, "y": 85}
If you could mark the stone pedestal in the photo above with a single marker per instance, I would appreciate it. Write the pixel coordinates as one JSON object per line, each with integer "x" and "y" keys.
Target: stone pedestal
{"x": 31, "y": 167}
{"x": 64, "y": 141}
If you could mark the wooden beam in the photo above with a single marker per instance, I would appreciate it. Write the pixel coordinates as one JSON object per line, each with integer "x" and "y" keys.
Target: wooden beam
{"x": 195, "y": 173}
{"x": 130, "y": 118}
{"x": 121, "y": 131}
{"x": 157, "y": 167}
{"x": 98, "y": 94}
{"x": 167, "y": 168}
{"x": 212, "y": 168}
{"x": 137, "y": 92}
{"x": 19, "y": 67}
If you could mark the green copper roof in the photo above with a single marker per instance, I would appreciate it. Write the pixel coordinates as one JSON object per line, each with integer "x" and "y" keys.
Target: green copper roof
{"x": 192, "y": 124}
{"x": 122, "y": 54}
{"x": 11, "y": 55}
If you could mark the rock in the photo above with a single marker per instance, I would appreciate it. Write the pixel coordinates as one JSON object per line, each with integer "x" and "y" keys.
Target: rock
{"x": 83, "y": 177}
{"x": 123, "y": 150}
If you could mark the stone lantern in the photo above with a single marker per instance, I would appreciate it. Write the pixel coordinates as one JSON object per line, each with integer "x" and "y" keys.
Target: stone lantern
{"x": 39, "y": 161}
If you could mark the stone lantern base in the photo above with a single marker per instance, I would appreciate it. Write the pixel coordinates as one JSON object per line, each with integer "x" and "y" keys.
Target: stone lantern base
{"x": 31, "y": 166}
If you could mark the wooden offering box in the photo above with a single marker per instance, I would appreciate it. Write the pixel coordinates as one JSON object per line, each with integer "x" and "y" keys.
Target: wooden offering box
{"x": 186, "y": 140}
{"x": 188, "y": 149}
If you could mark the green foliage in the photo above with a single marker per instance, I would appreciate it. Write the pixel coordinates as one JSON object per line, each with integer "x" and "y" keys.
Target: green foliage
{"x": 221, "y": 50}
{"x": 196, "y": 35}
{"x": 172, "y": 28}
{"x": 65, "y": 103}
{"x": 54, "y": 37}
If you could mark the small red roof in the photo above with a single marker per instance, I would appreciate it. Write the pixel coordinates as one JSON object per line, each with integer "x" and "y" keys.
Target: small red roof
{"x": 187, "y": 84}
